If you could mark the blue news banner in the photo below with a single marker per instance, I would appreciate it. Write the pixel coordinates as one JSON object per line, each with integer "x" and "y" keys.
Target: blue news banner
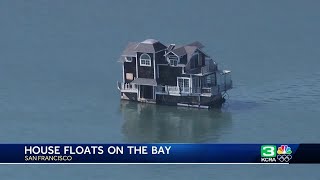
{"x": 159, "y": 153}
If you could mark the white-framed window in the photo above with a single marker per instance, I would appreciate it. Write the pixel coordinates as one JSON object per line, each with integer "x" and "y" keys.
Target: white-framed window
{"x": 145, "y": 60}
{"x": 183, "y": 84}
{"x": 129, "y": 59}
{"x": 173, "y": 60}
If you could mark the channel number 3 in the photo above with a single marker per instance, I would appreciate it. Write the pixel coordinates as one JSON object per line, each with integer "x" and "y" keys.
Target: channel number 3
{"x": 268, "y": 151}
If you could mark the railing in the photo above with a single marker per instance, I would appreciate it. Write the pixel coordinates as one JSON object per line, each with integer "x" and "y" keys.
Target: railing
{"x": 217, "y": 89}
{"x": 172, "y": 89}
{"x": 127, "y": 86}
{"x": 206, "y": 90}
{"x": 176, "y": 90}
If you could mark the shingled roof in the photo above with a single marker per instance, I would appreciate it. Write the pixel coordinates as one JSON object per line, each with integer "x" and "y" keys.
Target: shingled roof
{"x": 181, "y": 51}
{"x": 145, "y": 81}
{"x": 147, "y": 46}
{"x": 130, "y": 49}
{"x": 188, "y": 49}
{"x": 197, "y": 44}
{"x": 152, "y": 46}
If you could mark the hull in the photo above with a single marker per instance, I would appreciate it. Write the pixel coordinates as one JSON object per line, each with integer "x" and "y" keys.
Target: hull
{"x": 205, "y": 102}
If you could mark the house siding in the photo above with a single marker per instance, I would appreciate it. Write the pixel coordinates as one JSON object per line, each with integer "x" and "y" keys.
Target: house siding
{"x": 129, "y": 67}
{"x": 160, "y": 58}
{"x": 145, "y": 71}
{"x": 168, "y": 75}
{"x": 183, "y": 59}
{"x": 194, "y": 62}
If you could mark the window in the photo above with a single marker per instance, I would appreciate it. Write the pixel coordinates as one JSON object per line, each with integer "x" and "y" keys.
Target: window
{"x": 173, "y": 60}
{"x": 145, "y": 60}
{"x": 208, "y": 80}
{"x": 129, "y": 76}
{"x": 194, "y": 60}
{"x": 128, "y": 59}
{"x": 184, "y": 84}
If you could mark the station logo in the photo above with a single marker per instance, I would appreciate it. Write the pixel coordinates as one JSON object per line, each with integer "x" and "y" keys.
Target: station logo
{"x": 270, "y": 153}
{"x": 284, "y": 153}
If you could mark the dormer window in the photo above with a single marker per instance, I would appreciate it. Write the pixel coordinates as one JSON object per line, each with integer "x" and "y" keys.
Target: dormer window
{"x": 173, "y": 60}
{"x": 145, "y": 60}
{"x": 128, "y": 59}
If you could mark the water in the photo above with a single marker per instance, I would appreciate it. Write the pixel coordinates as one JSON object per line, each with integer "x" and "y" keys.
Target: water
{"x": 58, "y": 74}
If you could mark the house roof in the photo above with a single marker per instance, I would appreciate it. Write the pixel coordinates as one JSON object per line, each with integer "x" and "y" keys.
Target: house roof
{"x": 145, "y": 81}
{"x": 150, "y": 46}
{"x": 130, "y": 49}
{"x": 197, "y": 44}
{"x": 185, "y": 50}
{"x": 146, "y": 46}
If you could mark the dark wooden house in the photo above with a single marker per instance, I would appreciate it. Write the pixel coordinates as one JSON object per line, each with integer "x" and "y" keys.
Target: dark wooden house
{"x": 173, "y": 75}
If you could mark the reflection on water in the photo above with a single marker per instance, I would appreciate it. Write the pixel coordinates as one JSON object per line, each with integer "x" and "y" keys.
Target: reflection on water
{"x": 156, "y": 123}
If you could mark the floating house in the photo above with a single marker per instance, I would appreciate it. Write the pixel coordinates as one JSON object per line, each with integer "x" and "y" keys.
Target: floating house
{"x": 173, "y": 75}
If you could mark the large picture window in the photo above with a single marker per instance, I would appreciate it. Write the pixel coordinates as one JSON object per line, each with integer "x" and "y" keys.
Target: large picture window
{"x": 145, "y": 60}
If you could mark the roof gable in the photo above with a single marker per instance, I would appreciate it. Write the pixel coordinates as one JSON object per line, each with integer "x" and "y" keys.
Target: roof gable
{"x": 147, "y": 46}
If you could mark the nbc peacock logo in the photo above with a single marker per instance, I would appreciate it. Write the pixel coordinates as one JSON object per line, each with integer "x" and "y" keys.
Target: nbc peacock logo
{"x": 284, "y": 153}
{"x": 284, "y": 149}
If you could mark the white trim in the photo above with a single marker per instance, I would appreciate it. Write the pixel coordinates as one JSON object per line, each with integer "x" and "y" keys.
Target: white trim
{"x": 154, "y": 66}
{"x": 123, "y": 80}
{"x": 171, "y": 66}
{"x": 145, "y": 64}
{"x": 190, "y": 85}
{"x": 137, "y": 163}
{"x": 161, "y": 50}
{"x": 168, "y": 60}
{"x": 183, "y": 78}
{"x": 170, "y": 52}
{"x": 126, "y": 60}
{"x": 137, "y": 73}
{"x": 138, "y": 98}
